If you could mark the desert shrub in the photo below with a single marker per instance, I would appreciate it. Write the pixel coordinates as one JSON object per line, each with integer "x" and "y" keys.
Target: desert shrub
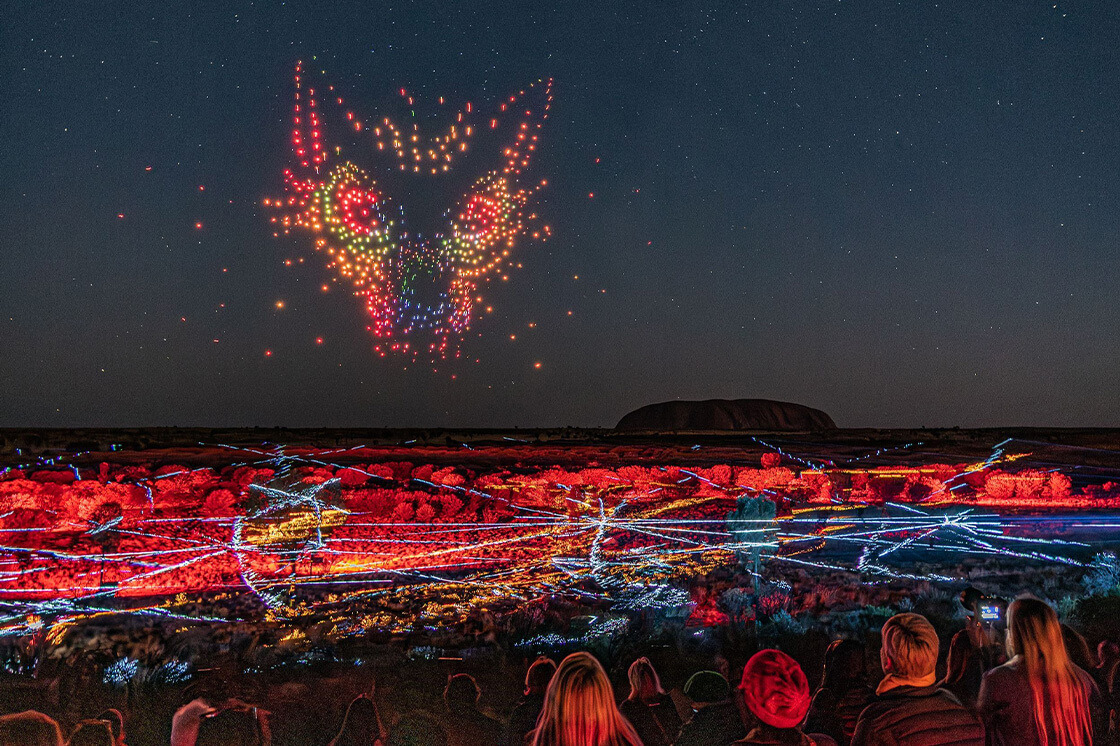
{"x": 785, "y": 623}
{"x": 1102, "y": 578}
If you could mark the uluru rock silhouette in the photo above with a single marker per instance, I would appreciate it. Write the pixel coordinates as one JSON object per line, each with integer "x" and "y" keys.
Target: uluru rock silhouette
{"x": 726, "y": 414}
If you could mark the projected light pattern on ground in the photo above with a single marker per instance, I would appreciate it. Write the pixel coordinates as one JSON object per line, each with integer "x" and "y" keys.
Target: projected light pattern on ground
{"x": 420, "y": 291}
{"x": 306, "y": 531}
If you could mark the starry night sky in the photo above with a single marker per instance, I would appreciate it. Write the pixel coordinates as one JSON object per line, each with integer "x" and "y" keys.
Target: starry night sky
{"x": 905, "y": 214}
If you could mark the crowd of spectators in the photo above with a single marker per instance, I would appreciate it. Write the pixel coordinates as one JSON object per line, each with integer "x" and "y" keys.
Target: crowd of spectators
{"x": 1036, "y": 682}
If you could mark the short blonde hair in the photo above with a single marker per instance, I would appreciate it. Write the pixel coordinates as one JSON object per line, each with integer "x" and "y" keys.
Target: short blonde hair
{"x": 910, "y": 644}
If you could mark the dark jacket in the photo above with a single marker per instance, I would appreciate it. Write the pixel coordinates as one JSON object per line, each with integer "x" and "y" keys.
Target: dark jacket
{"x": 657, "y": 723}
{"x": 523, "y": 719}
{"x": 1007, "y": 706}
{"x": 714, "y": 724}
{"x": 472, "y": 728}
{"x": 917, "y": 716}
{"x": 762, "y": 735}
{"x": 835, "y": 713}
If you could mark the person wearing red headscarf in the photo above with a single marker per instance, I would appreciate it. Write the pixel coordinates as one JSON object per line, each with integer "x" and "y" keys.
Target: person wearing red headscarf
{"x": 776, "y": 700}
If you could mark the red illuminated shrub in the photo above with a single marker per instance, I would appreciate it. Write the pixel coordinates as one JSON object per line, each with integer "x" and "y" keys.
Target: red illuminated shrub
{"x": 450, "y": 506}
{"x": 448, "y": 476}
{"x": 60, "y": 476}
{"x": 220, "y": 502}
{"x": 761, "y": 479}
{"x": 403, "y": 513}
{"x": 352, "y": 477}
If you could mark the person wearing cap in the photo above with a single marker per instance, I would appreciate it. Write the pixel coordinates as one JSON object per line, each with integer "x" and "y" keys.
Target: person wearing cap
{"x": 776, "y": 700}
{"x": 715, "y": 719}
{"x": 909, "y": 708}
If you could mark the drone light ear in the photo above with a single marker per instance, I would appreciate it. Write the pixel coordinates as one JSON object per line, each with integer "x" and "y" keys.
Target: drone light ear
{"x": 307, "y": 131}
{"x": 530, "y": 115}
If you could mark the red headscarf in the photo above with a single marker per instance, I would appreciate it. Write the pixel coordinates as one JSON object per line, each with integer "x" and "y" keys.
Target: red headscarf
{"x": 775, "y": 689}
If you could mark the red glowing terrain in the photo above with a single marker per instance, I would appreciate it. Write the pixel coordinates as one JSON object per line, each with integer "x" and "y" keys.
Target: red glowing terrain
{"x": 363, "y": 519}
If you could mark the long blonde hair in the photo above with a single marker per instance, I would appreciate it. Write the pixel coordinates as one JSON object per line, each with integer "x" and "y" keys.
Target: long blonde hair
{"x": 1058, "y": 696}
{"x": 645, "y": 684}
{"x": 579, "y": 708}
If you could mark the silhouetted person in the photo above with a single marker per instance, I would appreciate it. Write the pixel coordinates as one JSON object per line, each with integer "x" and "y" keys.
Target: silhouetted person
{"x": 523, "y": 719}
{"x": 238, "y": 726}
{"x": 29, "y": 728}
{"x": 648, "y": 708}
{"x": 417, "y": 729}
{"x": 91, "y": 733}
{"x": 467, "y": 725}
{"x": 1039, "y": 696}
{"x": 985, "y": 635}
{"x": 843, "y": 692}
{"x": 186, "y": 720}
{"x": 963, "y": 670}
{"x": 1108, "y": 660}
{"x": 1077, "y": 649}
{"x": 715, "y": 718}
{"x": 116, "y": 723}
{"x": 360, "y": 726}
{"x": 909, "y": 709}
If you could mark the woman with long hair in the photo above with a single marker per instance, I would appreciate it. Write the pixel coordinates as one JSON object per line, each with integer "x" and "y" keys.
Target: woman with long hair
{"x": 963, "y": 670}
{"x": 645, "y": 684}
{"x": 1039, "y": 696}
{"x": 843, "y": 692}
{"x": 579, "y": 708}
{"x": 648, "y": 708}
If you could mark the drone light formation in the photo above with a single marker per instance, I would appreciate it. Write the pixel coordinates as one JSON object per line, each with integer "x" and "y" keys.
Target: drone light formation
{"x": 419, "y": 291}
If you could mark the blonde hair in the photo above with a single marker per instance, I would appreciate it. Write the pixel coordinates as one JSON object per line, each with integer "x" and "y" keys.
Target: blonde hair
{"x": 910, "y": 646}
{"x": 644, "y": 681}
{"x": 1058, "y": 696}
{"x": 579, "y": 708}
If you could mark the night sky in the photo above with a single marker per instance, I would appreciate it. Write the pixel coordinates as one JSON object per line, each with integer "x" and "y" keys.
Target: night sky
{"x": 905, "y": 214}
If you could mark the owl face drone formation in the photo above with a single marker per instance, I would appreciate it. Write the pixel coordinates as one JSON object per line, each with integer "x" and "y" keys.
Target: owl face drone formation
{"x": 419, "y": 291}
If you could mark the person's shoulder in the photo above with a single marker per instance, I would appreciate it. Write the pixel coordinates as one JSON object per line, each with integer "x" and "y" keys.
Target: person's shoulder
{"x": 824, "y": 697}
{"x": 876, "y": 708}
{"x": 1086, "y": 679}
{"x": 1006, "y": 672}
{"x": 908, "y": 700}
{"x": 949, "y": 706}
{"x": 947, "y": 696}
{"x": 629, "y": 705}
